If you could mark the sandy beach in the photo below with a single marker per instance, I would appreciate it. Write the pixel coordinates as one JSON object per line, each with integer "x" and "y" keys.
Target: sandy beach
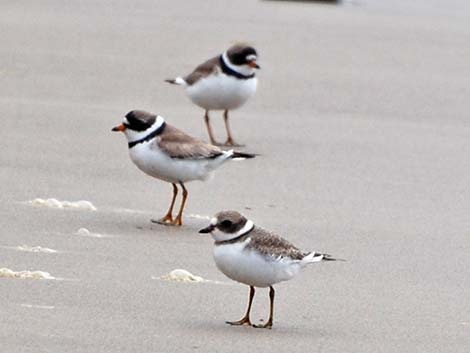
{"x": 361, "y": 122}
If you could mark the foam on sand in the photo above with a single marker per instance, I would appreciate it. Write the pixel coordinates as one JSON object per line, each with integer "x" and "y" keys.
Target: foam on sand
{"x": 28, "y": 248}
{"x": 37, "y": 306}
{"x": 84, "y": 232}
{"x": 7, "y": 273}
{"x": 54, "y": 203}
{"x": 180, "y": 275}
{"x": 197, "y": 216}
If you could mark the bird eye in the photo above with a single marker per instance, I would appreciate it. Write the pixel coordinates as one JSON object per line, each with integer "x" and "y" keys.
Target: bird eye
{"x": 226, "y": 224}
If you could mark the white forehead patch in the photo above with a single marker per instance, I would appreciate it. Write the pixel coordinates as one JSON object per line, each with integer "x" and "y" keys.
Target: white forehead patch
{"x": 251, "y": 57}
{"x": 213, "y": 221}
{"x": 125, "y": 121}
{"x": 159, "y": 121}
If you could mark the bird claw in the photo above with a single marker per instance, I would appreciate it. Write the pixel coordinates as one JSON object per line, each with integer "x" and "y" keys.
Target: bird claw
{"x": 229, "y": 143}
{"x": 268, "y": 325}
{"x": 243, "y": 322}
{"x": 167, "y": 221}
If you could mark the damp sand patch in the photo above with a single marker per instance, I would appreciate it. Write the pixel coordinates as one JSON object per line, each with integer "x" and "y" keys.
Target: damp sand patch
{"x": 54, "y": 203}
{"x": 33, "y": 306}
{"x": 143, "y": 212}
{"x": 128, "y": 210}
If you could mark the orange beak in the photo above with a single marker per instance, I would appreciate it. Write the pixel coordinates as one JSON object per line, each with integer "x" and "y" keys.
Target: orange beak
{"x": 120, "y": 128}
{"x": 254, "y": 65}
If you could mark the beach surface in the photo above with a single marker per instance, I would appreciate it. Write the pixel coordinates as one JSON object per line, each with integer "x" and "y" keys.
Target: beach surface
{"x": 362, "y": 128}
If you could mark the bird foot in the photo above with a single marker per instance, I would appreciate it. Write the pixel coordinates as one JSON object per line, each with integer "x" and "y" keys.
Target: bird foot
{"x": 229, "y": 143}
{"x": 243, "y": 322}
{"x": 168, "y": 221}
{"x": 267, "y": 325}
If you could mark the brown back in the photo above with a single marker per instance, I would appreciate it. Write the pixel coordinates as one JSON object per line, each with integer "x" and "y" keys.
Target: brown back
{"x": 178, "y": 144}
{"x": 203, "y": 70}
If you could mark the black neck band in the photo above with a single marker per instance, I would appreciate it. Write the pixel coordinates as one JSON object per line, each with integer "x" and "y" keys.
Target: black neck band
{"x": 149, "y": 136}
{"x": 230, "y": 72}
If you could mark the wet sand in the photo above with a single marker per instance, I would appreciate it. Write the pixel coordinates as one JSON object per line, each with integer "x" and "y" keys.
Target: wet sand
{"x": 361, "y": 120}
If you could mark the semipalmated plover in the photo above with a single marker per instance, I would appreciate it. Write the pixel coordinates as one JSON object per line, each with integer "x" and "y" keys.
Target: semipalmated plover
{"x": 258, "y": 258}
{"x": 224, "y": 82}
{"x": 164, "y": 152}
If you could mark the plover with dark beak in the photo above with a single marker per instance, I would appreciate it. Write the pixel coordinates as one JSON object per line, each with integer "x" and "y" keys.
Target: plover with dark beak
{"x": 256, "y": 257}
{"x": 166, "y": 153}
{"x": 224, "y": 82}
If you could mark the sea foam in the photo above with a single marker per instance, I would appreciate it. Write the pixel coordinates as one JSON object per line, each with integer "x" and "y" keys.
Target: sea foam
{"x": 54, "y": 203}
{"x": 180, "y": 275}
{"x": 7, "y": 273}
{"x": 28, "y": 248}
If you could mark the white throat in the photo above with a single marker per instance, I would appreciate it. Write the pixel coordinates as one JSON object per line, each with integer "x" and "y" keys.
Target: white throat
{"x": 221, "y": 236}
{"x": 245, "y": 70}
{"x": 133, "y": 135}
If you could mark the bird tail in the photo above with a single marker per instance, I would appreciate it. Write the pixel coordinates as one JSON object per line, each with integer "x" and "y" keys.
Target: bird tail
{"x": 241, "y": 155}
{"x": 177, "y": 81}
{"x": 317, "y": 257}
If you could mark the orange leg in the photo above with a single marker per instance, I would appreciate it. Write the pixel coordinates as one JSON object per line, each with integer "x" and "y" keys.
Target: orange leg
{"x": 230, "y": 141}
{"x": 246, "y": 319}
{"x": 179, "y": 218}
{"x": 168, "y": 218}
{"x": 209, "y": 129}
{"x": 269, "y": 323}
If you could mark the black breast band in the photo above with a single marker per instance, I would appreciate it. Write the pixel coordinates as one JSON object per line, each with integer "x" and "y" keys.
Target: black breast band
{"x": 228, "y": 71}
{"x": 149, "y": 136}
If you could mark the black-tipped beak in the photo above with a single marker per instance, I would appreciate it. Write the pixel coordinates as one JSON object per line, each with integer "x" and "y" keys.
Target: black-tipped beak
{"x": 254, "y": 65}
{"x": 207, "y": 229}
{"x": 120, "y": 128}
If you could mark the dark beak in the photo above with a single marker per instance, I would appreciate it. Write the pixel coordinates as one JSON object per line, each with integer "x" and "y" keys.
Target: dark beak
{"x": 207, "y": 229}
{"x": 120, "y": 128}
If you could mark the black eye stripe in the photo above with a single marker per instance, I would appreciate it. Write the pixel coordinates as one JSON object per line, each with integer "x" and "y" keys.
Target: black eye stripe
{"x": 226, "y": 224}
{"x": 138, "y": 124}
{"x": 239, "y": 57}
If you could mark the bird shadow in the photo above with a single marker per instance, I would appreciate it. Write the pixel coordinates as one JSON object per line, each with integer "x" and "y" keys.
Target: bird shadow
{"x": 328, "y": 2}
{"x": 217, "y": 327}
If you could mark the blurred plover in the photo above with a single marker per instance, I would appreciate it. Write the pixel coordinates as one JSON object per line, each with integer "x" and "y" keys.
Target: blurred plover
{"x": 164, "y": 152}
{"x": 258, "y": 258}
{"x": 224, "y": 82}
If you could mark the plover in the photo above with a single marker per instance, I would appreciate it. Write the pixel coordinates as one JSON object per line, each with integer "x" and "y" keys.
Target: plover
{"x": 224, "y": 82}
{"x": 165, "y": 152}
{"x": 258, "y": 258}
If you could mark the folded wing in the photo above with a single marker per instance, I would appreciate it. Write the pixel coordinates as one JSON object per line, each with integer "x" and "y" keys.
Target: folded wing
{"x": 178, "y": 144}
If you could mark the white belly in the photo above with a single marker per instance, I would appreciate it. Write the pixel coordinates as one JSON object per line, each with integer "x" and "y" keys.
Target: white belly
{"x": 249, "y": 267}
{"x": 220, "y": 92}
{"x": 159, "y": 165}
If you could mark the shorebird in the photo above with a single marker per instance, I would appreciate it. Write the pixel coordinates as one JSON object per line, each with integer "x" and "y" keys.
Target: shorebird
{"x": 224, "y": 82}
{"x": 256, "y": 257}
{"x": 166, "y": 153}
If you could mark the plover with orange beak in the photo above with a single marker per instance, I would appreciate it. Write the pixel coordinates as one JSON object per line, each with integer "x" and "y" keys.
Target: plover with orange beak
{"x": 166, "y": 153}
{"x": 224, "y": 82}
{"x": 256, "y": 257}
